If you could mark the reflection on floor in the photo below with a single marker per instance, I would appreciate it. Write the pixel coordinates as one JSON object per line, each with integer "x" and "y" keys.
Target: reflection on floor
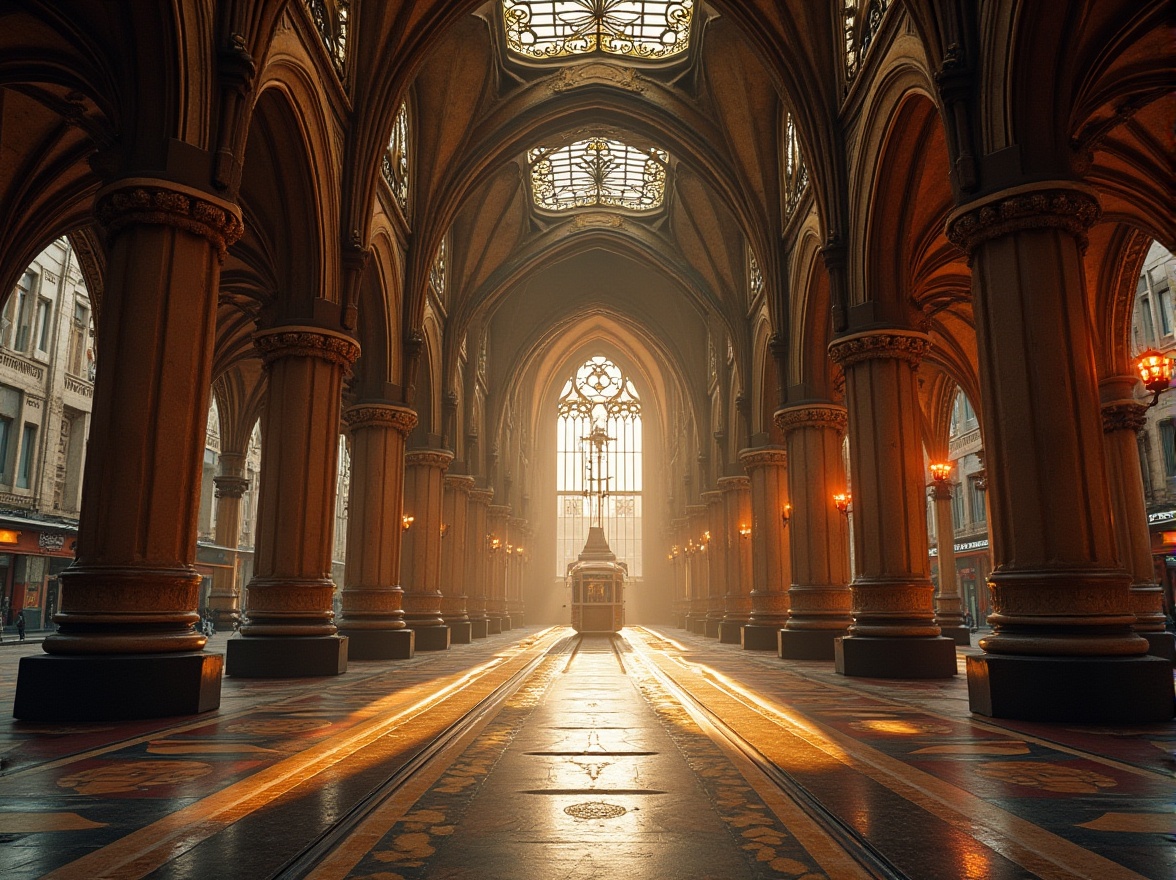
{"x": 533, "y": 754}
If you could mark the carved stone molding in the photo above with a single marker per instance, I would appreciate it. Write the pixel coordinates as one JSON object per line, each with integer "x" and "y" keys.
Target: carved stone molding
{"x": 138, "y": 201}
{"x": 459, "y": 483}
{"x": 1124, "y": 415}
{"x": 309, "y": 342}
{"x": 438, "y": 458}
{"x": 597, "y": 219}
{"x": 732, "y": 484}
{"x": 1057, "y": 207}
{"x": 903, "y": 345}
{"x": 763, "y": 457}
{"x": 230, "y": 487}
{"x": 376, "y": 415}
{"x": 596, "y": 73}
{"x": 812, "y": 416}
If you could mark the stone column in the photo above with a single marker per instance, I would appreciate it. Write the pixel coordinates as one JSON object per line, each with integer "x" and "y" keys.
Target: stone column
{"x": 289, "y": 628}
{"x": 496, "y": 522}
{"x": 949, "y": 613}
{"x": 420, "y": 566}
{"x": 454, "y": 529}
{"x": 478, "y": 561}
{"x": 1062, "y": 646}
{"x": 771, "y": 569}
{"x": 126, "y": 646}
{"x": 1122, "y": 420}
{"x": 894, "y": 634}
{"x": 224, "y": 602}
{"x": 737, "y": 524}
{"x": 517, "y": 540}
{"x": 681, "y": 592}
{"x": 713, "y": 549}
{"x": 373, "y": 616}
{"x": 698, "y": 570}
{"x": 819, "y": 597}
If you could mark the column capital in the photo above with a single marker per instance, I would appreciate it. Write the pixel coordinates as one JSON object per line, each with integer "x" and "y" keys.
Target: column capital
{"x": 228, "y": 486}
{"x": 145, "y": 200}
{"x": 380, "y": 415}
{"x": 438, "y": 458}
{"x": 733, "y": 483}
{"x": 459, "y": 483}
{"x": 1123, "y": 415}
{"x": 714, "y": 496}
{"x": 891, "y": 342}
{"x": 1057, "y": 204}
{"x": 481, "y": 496}
{"x": 812, "y": 415}
{"x": 763, "y": 456}
{"x": 332, "y": 346}
{"x": 940, "y": 491}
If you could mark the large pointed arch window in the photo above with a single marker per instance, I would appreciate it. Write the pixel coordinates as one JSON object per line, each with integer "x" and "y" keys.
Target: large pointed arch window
{"x": 650, "y": 29}
{"x": 598, "y": 172}
{"x": 599, "y": 395}
{"x": 396, "y": 167}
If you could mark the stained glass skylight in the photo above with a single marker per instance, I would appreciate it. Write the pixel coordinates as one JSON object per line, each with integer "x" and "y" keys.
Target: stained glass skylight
{"x": 598, "y": 171}
{"x": 651, "y": 29}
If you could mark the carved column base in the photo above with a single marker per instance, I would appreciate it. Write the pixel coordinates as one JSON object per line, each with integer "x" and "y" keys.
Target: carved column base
{"x": 933, "y": 657}
{"x": 1147, "y": 601}
{"x": 127, "y": 611}
{"x": 422, "y": 613}
{"x": 476, "y": 607}
{"x": 1101, "y": 690}
{"x": 295, "y": 607}
{"x": 285, "y": 656}
{"x": 493, "y": 626}
{"x": 114, "y": 687}
{"x": 224, "y": 601}
{"x": 373, "y": 622}
{"x": 711, "y": 627}
{"x": 893, "y": 609}
{"x": 736, "y": 615}
{"x": 814, "y": 644}
{"x": 453, "y": 612}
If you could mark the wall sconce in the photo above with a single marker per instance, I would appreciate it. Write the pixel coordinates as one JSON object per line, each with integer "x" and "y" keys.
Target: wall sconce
{"x": 940, "y": 471}
{"x": 691, "y": 547}
{"x": 493, "y": 544}
{"x": 1155, "y": 369}
{"x": 842, "y": 501}
{"x": 444, "y": 530}
{"x": 406, "y": 522}
{"x": 705, "y": 538}
{"x": 509, "y": 549}
{"x": 744, "y": 531}
{"x": 519, "y": 552}
{"x": 786, "y": 515}
{"x": 674, "y": 551}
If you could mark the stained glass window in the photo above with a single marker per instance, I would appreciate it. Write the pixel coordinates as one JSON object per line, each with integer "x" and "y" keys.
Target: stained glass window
{"x": 396, "y": 165}
{"x": 437, "y": 270}
{"x": 862, "y": 20}
{"x": 651, "y": 29}
{"x": 331, "y": 17}
{"x": 599, "y": 394}
{"x": 598, "y": 171}
{"x": 795, "y": 171}
{"x": 755, "y": 275}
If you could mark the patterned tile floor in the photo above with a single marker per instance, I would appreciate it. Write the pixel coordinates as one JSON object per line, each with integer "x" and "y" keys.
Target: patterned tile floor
{"x": 937, "y": 792}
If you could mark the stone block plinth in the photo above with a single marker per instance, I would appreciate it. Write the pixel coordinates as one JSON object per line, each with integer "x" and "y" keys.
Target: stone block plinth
{"x": 730, "y": 632}
{"x": 461, "y": 632}
{"x": 479, "y": 629}
{"x": 285, "y": 656}
{"x": 930, "y": 657}
{"x": 379, "y": 644}
{"x": 432, "y": 638}
{"x": 807, "y": 644}
{"x": 759, "y": 638}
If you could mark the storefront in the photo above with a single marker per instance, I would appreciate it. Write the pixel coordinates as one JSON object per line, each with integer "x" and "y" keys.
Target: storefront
{"x": 32, "y": 555}
{"x": 972, "y": 567}
{"x": 1162, "y": 525}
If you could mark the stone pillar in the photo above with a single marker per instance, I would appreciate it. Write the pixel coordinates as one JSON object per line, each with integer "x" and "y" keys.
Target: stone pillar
{"x": 289, "y": 628}
{"x": 698, "y": 570}
{"x": 478, "y": 562}
{"x": 1062, "y": 646}
{"x": 819, "y": 598}
{"x": 454, "y": 529}
{"x": 420, "y": 566}
{"x": 496, "y": 522}
{"x": 713, "y": 549}
{"x": 949, "y": 613}
{"x": 737, "y": 525}
{"x": 373, "y": 616}
{"x": 517, "y": 540}
{"x": 681, "y": 587}
{"x": 224, "y": 602}
{"x": 894, "y": 634}
{"x": 1122, "y": 419}
{"x": 771, "y": 569}
{"x": 126, "y": 646}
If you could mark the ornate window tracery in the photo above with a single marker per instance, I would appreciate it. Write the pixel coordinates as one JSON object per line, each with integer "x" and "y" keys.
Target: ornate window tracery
{"x": 332, "y": 18}
{"x": 755, "y": 276}
{"x": 648, "y": 29}
{"x": 796, "y": 176}
{"x": 598, "y": 171}
{"x": 862, "y": 19}
{"x": 396, "y": 159}
{"x": 599, "y": 394}
{"x": 437, "y": 272}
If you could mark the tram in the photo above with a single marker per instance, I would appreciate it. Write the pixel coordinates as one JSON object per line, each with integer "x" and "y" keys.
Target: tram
{"x": 597, "y": 581}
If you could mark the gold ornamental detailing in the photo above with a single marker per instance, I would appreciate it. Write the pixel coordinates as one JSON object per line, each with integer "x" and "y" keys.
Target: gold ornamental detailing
{"x": 903, "y": 345}
{"x": 1124, "y": 415}
{"x": 598, "y": 219}
{"x": 1070, "y": 209}
{"x": 754, "y": 458}
{"x": 819, "y": 416}
{"x": 139, "y": 201}
{"x": 308, "y": 342}
{"x": 437, "y": 458}
{"x": 371, "y": 415}
{"x": 596, "y": 73}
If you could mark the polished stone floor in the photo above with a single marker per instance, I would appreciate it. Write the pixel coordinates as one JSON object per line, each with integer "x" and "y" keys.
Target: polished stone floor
{"x": 534, "y": 754}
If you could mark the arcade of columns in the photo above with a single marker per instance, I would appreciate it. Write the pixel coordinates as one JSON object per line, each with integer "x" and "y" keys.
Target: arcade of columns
{"x": 191, "y": 208}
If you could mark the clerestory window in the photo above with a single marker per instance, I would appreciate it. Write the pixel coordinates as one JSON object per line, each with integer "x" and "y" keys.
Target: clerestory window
{"x": 547, "y": 29}
{"x": 396, "y": 166}
{"x": 598, "y": 172}
{"x": 598, "y": 395}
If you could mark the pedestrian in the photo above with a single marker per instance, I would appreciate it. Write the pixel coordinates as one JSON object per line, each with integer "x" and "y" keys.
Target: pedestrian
{"x": 20, "y": 625}
{"x": 969, "y": 622}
